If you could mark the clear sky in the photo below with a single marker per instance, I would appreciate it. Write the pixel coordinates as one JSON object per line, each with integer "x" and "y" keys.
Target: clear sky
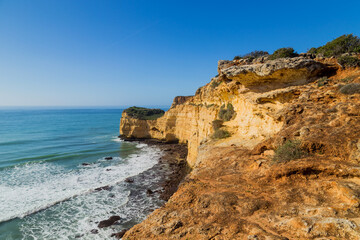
{"x": 130, "y": 52}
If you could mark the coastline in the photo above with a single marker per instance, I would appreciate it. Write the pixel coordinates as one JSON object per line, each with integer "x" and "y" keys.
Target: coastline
{"x": 173, "y": 161}
{"x": 169, "y": 172}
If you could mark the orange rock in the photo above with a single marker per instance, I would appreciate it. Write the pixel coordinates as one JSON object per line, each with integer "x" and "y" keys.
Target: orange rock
{"x": 236, "y": 190}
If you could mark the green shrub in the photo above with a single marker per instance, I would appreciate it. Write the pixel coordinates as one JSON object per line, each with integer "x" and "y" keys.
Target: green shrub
{"x": 350, "y": 88}
{"x": 255, "y": 54}
{"x": 312, "y": 50}
{"x": 290, "y": 150}
{"x": 283, "y": 53}
{"x": 227, "y": 113}
{"x": 217, "y": 124}
{"x": 220, "y": 133}
{"x": 348, "y": 61}
{"x": 252, "y": 55}
{"x": 144, "y": 113}
{"x": 347, "y": 43}
{"x": 215, "y": 84}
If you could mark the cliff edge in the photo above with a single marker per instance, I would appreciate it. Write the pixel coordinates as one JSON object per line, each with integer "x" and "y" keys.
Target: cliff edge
{"x": 275, "y": 150}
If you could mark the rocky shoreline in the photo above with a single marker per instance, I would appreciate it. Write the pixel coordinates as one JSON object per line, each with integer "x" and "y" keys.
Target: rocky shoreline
{"x": 169, "y": 172}
{"x": 173, "y": 161}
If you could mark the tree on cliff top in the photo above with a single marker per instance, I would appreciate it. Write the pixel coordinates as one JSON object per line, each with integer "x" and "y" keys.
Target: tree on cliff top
{"x": 283, "y": 53}
{"x": 252, "y": 55}
{"x": 347, "y": 43}
{"x": 144, "y": 113}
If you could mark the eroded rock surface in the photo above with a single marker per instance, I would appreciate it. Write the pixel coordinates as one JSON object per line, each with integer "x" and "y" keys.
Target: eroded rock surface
{"x": 236, "y": 190}
{"x": 274, "y": 74}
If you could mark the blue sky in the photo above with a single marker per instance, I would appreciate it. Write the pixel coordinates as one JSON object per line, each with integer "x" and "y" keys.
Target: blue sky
{"x": 124, "y": 53}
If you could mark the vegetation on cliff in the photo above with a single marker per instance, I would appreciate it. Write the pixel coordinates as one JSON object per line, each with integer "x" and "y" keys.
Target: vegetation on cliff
{"x": 283, "y": 53}
{"x": 218, "y": 132}
{"x": 290, "y": 150}
{"x": 349, "y": 61}
{"x": 279, "y": 53}
{"x": 252, "y": 55}
{"x": 347, "y": 43}
{"x": 221, "y": 133}
{"x": 226, "y": 114}
{"x": 215, "y": 83}
{"x": 342, "y": 48}
{"x": 144, "y": 113}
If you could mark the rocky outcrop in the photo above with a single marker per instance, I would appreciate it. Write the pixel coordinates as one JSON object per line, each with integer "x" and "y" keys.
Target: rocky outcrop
{"x": 189, "y": 120}
{"x": 275, "y": 74}
{"x": 179, "y": 100}
{"x": 236, "y": 190}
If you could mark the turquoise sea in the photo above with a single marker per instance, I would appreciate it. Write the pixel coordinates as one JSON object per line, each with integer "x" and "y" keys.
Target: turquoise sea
{"x": 52, "y": 163}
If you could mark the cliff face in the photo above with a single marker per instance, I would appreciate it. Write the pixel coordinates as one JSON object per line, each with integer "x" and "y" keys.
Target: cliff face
{"x": 236, "y": 190}
{"x": 189, "y": 119}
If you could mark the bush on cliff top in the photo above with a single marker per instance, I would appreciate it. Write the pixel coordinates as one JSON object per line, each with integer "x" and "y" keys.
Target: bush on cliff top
{"x": 283, "y": 53}
{"x": 347, "y": 43}
{"x": 252, "y": 55}
{"x": 348, "y": 61}
{"x": 144, "y": 113}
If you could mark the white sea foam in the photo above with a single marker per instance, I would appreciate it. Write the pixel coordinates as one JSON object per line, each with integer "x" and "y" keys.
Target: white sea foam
{"x": 75, "y": 218}
{"x": 116, "y": 139}
{"x": 29, "y": 188}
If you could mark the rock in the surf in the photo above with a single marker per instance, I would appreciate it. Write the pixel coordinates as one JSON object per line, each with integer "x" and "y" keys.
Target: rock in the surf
{"x": 108, "y": 222}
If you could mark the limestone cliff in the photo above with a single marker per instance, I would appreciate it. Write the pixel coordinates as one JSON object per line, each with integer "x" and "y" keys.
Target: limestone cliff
{"x": 189, "y": 119}
{"x": 236, "y": 190}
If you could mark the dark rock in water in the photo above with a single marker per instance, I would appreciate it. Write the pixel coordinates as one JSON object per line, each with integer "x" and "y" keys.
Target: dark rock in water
{"x": 85, "y": 164}
{"x": 108, "y": 158}
{"x": 149, "y": 192}
{"x": 94, "y": 231}
{"x": 103, "y": 188}
{"x": 109, "y": 222}
{"x": 129, "y": 180}
{"x": 108, "y": 169}
{"x": 79, "y": 235}
{"x": 119, "y": 234}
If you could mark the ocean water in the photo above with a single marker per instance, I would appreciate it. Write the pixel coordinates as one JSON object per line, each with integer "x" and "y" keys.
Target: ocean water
{"x": 46, "y": 192}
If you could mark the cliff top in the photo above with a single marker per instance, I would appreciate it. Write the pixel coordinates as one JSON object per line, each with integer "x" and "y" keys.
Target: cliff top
{"x": 144, "y": 113}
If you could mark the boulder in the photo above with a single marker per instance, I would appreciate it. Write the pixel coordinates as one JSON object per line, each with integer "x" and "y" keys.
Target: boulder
{"x": 108, "y": 222}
